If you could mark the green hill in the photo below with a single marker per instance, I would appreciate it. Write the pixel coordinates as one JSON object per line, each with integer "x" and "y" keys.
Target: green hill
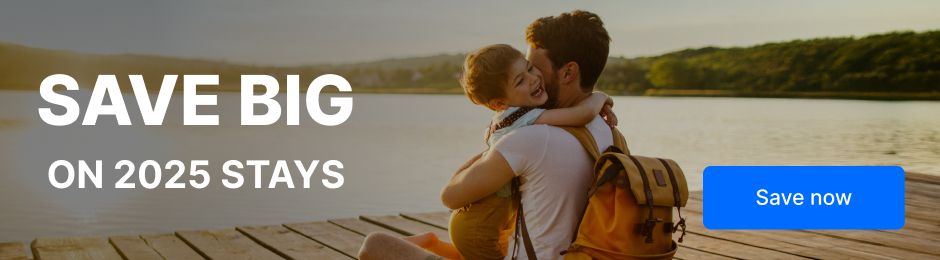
{"x": 892, "y": 62}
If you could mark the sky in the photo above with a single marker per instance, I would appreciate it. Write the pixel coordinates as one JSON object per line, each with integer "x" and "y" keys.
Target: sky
{"x": 296, "y": 32}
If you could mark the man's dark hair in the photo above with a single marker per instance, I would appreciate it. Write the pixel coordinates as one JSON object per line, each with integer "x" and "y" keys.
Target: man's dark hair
{"x": 577, "y": 36}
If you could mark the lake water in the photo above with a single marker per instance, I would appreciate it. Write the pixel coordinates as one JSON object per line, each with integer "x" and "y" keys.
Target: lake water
{"x": 398, "y": 151}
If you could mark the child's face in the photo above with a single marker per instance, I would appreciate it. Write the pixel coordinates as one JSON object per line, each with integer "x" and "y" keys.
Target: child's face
{"x": 525, "y": 88}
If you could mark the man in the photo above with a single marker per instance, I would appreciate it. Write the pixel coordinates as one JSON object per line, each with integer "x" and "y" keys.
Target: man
{"x": 571, "y": 50}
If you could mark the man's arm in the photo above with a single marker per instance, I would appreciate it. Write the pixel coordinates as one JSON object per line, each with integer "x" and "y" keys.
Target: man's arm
{"x": 481, "y": 178}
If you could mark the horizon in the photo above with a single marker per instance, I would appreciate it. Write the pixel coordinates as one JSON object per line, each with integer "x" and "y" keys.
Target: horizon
{"x": 295, "y": 33}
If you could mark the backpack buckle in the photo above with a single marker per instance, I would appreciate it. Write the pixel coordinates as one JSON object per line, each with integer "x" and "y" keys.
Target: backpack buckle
{"x": 647, "y": 228}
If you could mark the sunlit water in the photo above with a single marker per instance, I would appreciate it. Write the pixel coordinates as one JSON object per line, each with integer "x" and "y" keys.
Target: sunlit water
{"x": 398, "y": 150}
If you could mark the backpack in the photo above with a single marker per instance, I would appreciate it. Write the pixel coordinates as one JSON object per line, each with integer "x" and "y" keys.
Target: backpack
{"x": 629, "y": 210}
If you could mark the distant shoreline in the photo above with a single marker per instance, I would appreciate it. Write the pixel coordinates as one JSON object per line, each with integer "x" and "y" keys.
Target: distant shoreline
{"x": 851, "y": 95}
{"x": 859, "y": 95}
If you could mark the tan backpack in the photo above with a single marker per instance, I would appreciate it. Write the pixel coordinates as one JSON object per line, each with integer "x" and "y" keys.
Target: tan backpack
{"x": 629, "y": 210}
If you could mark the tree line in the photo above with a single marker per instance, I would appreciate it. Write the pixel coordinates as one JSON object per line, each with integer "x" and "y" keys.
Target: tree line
{"x": 891, "y": 62}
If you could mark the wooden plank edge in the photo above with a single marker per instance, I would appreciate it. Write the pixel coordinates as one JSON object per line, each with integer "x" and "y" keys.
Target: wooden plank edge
{"x": 921, "y": 177}
{"x": 322, "y": 242}
{"x": 13, "y": 251}
{"x": 386, "y": 226}
{"x": 681, "y": 247}
{"x": 190, "y": 244}
{"x": 418, "y": 219}
{"x": 121, "y": 251}
{"x": 265, "y": 245}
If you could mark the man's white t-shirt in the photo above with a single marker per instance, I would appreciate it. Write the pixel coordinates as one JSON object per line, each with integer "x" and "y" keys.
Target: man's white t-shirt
{"x": 556, "y": 175}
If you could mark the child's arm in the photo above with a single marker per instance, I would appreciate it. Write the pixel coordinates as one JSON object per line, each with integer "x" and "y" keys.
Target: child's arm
{"x": 577, "y": 115}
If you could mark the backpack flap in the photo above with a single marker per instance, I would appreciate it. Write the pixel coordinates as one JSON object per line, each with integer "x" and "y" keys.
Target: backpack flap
{"x": 646, "y": 177}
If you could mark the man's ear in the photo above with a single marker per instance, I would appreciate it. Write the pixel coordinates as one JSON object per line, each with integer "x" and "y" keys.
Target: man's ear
{"x": 570, "y": 72}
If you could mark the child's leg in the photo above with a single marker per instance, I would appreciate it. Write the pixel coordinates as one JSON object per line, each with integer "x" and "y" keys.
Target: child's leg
{"x": 385, "y": 246}
{"x": 430, "y": 242}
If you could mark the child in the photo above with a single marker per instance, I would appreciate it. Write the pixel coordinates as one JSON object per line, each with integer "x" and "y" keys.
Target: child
{"x": 499, "y": 77}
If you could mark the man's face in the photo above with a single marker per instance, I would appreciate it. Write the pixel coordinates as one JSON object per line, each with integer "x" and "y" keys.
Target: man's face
{"x": 539, "y": 58}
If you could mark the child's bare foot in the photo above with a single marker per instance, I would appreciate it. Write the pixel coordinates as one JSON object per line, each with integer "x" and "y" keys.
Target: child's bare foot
{"x": 425, "y": 240}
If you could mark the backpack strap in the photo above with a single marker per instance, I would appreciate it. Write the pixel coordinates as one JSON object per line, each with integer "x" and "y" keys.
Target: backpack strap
{"x": 619, "y": 141}
{"x": 646, "y": 227}
{"x": 521, "y": 228}
{"x": 586, "y": 139}
{"x": 675, "y": 193}
{"x": 590, "y": 145}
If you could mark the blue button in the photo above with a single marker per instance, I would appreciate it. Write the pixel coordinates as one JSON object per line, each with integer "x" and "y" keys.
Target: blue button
{"x": 803, "y": 197}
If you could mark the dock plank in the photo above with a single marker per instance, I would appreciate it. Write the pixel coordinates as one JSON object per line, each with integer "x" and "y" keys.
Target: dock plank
{"x": 331, "y": 235}
{"x": 923, "y": 178}
{"x": 921, "y": 201}
{"x": 887, "y": 239}
{"x": 812, "y": 239}
{"x": 289, "y": 244}
{"x": 359, "y": 226}
{"x": 694, "y": 222}
{"x": 925, "y": 214}
{"x": 225, "y": 244}
{"x": 912, "y": 230}
{"x": 437, "y": 219}
{"x": 133, "y": 247}
{"x": 442, "y": 218}
{"x": 732, "y": 248}
{"x": 920, "y": 228}
{"x": 169, "y": 246}
{"x": 74, "y": 248}
{"x": 800, "y": 242}
{"x": 13, "y": 251}
{"x": 922, "y": 189}
{"x": 693, "y": 254}
{"x": 406, "y": 226}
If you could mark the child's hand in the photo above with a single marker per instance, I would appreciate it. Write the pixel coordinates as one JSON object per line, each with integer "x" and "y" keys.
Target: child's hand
{"x": 608, "y": 114}
{"x": 606, "y": 111}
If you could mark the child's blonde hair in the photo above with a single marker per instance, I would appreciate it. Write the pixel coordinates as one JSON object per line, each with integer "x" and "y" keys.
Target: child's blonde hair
{"x": 486, "y": 73}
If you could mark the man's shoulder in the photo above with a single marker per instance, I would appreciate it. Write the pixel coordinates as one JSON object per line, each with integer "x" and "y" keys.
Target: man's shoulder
{"x": 596, "y": 127}
{"x": 599, "y": 128}
{"x": 529, "y": 131}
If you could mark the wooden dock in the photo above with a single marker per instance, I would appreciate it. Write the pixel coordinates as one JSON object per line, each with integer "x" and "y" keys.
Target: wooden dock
{"x": 341, "y": 238}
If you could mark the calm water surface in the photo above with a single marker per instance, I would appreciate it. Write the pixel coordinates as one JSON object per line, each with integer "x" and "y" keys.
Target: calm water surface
{"x": 398, "y": 151}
